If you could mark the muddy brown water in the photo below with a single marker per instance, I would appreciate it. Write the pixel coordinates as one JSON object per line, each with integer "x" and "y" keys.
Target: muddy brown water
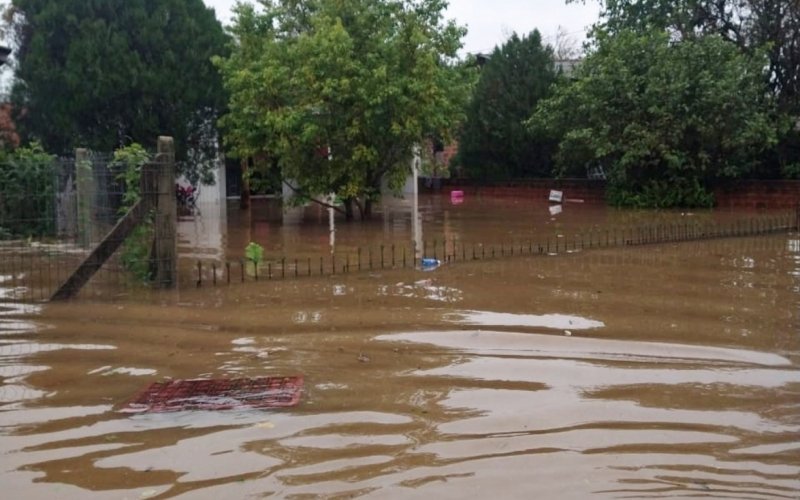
{"x": 669, "y": 370}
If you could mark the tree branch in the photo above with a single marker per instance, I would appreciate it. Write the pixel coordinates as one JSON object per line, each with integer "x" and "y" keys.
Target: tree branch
{"x": 314, "y": 200}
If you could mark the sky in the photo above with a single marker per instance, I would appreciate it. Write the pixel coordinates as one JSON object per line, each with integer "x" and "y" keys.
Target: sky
{"x": 491, "y": 22}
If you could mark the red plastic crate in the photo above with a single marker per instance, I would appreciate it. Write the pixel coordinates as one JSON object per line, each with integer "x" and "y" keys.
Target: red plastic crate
{"x": 217, "y": 394}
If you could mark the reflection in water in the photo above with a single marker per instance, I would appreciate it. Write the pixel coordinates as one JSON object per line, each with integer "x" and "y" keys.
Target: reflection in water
{"x": 548, "y": 346}
{"x": 423, "y": 289}
{"x": 456, "y": 384}
{"x": 122, "y": 370}
{"x": 556, "y": 321}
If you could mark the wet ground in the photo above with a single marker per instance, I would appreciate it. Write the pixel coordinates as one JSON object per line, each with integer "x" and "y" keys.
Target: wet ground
{"x": 668, "y": 370}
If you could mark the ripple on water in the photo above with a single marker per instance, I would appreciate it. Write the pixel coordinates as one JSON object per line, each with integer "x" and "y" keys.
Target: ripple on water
{"x": 19, "y": 308}
{"x": 122, "y": 370}
{"x": 20, "y": 349}
{"x": 451, "y": 414}
{"x": 554, "y": 321}
{"x": 485, "y": 342}
{"x": 17, "y": 326}
{"x": 13, "y": 325}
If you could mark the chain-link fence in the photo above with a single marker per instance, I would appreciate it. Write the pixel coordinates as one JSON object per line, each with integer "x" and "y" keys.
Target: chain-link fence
{"x": 101, "y": 221}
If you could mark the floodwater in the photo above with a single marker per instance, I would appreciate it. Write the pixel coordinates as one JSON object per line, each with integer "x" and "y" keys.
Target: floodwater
{"x": 663, "y": 371}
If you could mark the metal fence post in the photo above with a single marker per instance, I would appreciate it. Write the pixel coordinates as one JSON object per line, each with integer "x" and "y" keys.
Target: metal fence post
{"x": 797, "y": 217}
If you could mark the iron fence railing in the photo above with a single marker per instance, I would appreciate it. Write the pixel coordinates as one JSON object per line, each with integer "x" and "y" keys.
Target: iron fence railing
{"x": 431, "y": 254}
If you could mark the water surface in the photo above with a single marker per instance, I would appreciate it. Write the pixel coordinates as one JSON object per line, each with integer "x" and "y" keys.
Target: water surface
{"x": 662, "y": 371}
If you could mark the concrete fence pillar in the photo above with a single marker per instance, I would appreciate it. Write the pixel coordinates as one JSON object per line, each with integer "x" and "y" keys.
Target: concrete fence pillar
{"x": 166, "y": 247}
{"x": 85, "y": 187}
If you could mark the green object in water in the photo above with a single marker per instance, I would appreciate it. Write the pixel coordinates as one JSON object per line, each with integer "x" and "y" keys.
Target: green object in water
{"x": 254, "y": 252}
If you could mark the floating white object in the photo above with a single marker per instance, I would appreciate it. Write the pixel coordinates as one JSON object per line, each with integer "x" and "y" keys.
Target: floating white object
{"x": 556, "y": 196}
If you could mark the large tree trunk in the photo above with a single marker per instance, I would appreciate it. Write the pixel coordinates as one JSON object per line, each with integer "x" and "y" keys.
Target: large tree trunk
{"x": 366, "y": 208}
{"x": 348, "y": 209}
{"x": 367, "y": 213}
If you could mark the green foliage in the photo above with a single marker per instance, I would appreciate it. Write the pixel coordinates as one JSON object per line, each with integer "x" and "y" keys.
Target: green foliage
{"x": 665, "y": 119}
{"x": 786, "y": 156}
{"x": 255, "y": 254}
{"x": 771, "y": 27}
{"x": 28, "y": 186}
{"x": 100, "y": 74}
{"x": 338, "y": 92}
{"x": 430, "y": 166}
{"x": 129, "y": 162}
{"x": 135, "y": 252}
{"x": 658, "y": 193}
{"x": 264, "y": 179}
{"x": 684, "y": 17}
{"x": 792, "y": 171}
{"x": 494, "y": 142}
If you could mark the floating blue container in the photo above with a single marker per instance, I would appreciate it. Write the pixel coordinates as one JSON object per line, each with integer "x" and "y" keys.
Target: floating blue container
{"x": 430, "y": 264}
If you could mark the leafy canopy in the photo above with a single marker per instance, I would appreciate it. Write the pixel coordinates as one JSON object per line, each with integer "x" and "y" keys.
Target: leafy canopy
{"x": 755, "y": 27}
{"x": 772, "y": 26}
{"x": 129, "y": 161}
{"x": 105, "y": 74}
{"x": 28, "y": 187}
{"x": 338, "y": 92}
{"x": 663, "y": 118}
{"x": 494, "y": 142}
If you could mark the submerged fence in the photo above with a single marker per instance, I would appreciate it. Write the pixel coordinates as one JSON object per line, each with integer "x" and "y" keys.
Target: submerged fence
{"x": 431, "y": 254}
{"x": 62, "y": 221}
{"x": 54, "y": 214}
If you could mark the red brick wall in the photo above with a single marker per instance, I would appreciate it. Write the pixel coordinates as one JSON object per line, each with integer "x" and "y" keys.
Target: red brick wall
{"x": 578, "y": 189}
{"x": 758, "y": 194}
{"x": 739, "y": 194}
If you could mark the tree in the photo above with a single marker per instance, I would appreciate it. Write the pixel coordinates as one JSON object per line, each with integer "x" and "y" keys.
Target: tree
{"x": 665, "y": 119}
{"x": 28, "y": 192}
{"x": 753, "y": 26}
{"x": 106, "y": 74}
{"x": 9, "y": 138}
{"x": 337, "y": 93}
{"x": 565, "y": 46}
{"x": 494, "y": 142}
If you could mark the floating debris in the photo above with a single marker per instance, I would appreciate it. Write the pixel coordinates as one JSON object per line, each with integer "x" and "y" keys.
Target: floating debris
{"x": 430, "y": 264}
{"x": 217, "y": 394}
